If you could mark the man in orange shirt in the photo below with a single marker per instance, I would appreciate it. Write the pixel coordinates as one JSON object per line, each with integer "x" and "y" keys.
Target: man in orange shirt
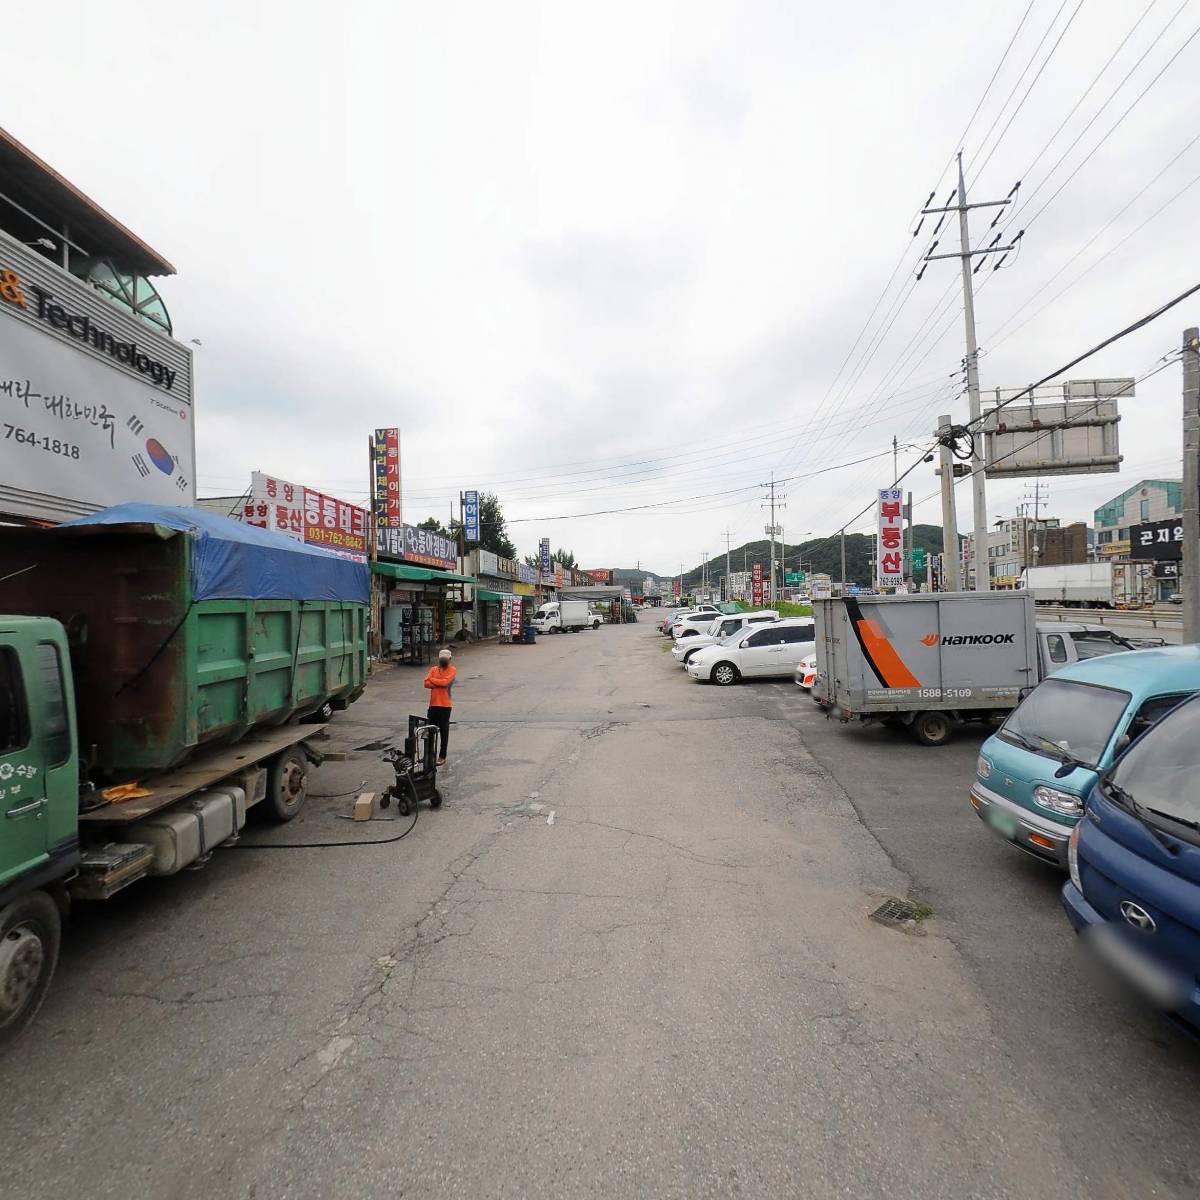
{"x": 440, "y": 682}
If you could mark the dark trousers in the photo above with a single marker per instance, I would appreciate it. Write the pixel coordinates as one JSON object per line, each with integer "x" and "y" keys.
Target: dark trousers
{"x": 441, "y": 718}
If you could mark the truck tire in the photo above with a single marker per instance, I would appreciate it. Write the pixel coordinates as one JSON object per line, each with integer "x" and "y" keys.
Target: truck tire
{"x": 30, "y": 935}
{"x": 287, "y": 784}
{"x": 932, "y": 728}
{"x": 725, "y": 673}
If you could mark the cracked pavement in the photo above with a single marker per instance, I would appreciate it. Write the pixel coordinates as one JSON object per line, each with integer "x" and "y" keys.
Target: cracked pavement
{"x": 630, "y": 956}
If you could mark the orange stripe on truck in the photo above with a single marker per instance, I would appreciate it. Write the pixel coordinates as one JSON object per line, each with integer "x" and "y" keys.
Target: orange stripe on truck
{"x": 889, "y": 664}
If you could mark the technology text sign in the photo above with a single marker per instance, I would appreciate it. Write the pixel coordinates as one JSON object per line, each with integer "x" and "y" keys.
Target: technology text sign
{"x": 84, "y": 435}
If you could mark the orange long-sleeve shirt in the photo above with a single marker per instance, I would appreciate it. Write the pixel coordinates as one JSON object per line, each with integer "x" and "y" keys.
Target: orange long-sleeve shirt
{"x": 438, "y": 681}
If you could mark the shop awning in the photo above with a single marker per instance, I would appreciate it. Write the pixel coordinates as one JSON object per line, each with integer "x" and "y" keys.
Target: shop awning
{"x": 486, "y": 594}
{"x": 415, "y": 574}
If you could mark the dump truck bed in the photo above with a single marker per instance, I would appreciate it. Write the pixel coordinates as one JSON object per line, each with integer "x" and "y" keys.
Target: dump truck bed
{"x": 162, "y": 666}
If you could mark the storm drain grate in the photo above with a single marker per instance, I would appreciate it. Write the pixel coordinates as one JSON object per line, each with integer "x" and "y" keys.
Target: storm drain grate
{"x": 900, "y": 913}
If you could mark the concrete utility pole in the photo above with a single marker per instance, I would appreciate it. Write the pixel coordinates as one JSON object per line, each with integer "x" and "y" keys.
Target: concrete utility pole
{"x": 965, "y": 254}
{"x": 951, "y": 580}
{"x": 909, "y": 513}
{"x": 772, "y": 532}
{"x": 1189, "y": 583}
{"x": 728, "y": 590}
{"x": 843, "y": 537}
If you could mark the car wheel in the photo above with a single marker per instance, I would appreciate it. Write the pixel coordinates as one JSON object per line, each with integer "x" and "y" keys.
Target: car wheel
{"x": 287, "y": 784}
{"x": 30, "y": 933}
{"x": 725, "y": 673}
{"x": 932, "y": 728}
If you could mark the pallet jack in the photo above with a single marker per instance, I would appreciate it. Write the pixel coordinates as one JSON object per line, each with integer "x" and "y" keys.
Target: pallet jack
{"x": 416, "y": 769}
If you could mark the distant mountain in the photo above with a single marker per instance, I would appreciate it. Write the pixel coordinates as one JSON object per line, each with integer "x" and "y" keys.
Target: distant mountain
{"x": 820, "y": 555}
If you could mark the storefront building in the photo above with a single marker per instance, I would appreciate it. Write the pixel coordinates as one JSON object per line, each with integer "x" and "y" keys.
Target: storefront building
{"x": 419, "y": 592}
{"x": 1149, "y": 500}
{"x": 96, "y": 391}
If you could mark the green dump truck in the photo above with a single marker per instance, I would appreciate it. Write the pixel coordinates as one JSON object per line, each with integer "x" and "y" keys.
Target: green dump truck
{"x": 159, "y": 675}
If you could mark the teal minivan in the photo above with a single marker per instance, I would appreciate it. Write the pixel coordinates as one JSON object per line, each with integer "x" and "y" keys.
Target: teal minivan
{"x": 1034, "y": 774}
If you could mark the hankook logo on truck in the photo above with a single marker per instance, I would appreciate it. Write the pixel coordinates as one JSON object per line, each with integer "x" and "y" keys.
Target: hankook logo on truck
{"x": 969, "y": 639}
{"x": 81, "y": 326}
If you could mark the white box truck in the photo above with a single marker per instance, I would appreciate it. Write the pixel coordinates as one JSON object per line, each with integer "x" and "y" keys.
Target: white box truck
{"x": 565, "y": 616}
{"x": 1092, "y": 585}
{"x": 928, "y": 662}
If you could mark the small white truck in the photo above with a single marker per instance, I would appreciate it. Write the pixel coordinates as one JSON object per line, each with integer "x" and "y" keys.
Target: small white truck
{"x": 928, "y": 663}
{"x": 565, "y": 616}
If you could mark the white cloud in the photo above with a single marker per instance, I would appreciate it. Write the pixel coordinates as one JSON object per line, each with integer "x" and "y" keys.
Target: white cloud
{"x": 539, "y": 237}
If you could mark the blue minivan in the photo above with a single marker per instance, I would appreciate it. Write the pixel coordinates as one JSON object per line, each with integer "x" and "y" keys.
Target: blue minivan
{"x": 1034, "y": 774}
{"x": 1134, "y": 891}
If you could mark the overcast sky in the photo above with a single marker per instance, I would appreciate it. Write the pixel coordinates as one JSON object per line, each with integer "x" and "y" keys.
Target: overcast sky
{"x": 600, "y": 256}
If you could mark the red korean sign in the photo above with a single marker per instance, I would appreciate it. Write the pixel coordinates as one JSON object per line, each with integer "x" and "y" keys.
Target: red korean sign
{"x": 385, "y": 463}
{"x": 676, "y": 586}
{"x": 308, "y": 516}
{"x": 515, "y": 617}
{"x": 756, "y": 584}
{"x": 889, "y": 545}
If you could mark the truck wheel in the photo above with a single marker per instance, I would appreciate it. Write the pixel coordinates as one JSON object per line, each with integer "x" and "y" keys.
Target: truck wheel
{"x": 30, "y": 935}
{"x": 287, "y": 784}
{"x": 932, "y": 728}
{"x": 725, "y": 673}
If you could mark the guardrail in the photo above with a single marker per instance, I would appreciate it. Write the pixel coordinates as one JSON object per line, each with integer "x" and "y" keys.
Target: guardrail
{"x": 1121, "y": 616}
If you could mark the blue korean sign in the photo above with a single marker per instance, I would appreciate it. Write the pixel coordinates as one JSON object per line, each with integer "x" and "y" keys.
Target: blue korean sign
{"x": 546, "y": 566}
{"x": 471, "y": 516}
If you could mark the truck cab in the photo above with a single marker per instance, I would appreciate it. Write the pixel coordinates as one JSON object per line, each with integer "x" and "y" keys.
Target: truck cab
{"x": 39, "y": 801}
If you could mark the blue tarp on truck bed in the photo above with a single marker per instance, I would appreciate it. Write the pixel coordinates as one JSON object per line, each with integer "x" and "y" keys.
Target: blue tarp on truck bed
{"x": 234, "y": 561}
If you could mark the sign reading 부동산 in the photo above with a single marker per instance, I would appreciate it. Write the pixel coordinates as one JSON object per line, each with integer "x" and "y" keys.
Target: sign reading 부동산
{"x": 95, "y": 405}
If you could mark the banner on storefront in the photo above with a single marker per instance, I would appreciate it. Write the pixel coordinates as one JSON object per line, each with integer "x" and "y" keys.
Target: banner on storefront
{"x": 526, "y": 573}
{"x": 889, "y": 545}
{"x": 308, "y": 516}
{"x": 385, "y": 466}
{"x": 471, "y": 516}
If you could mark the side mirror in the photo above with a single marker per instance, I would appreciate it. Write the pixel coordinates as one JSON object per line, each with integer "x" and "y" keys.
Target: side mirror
{"x": 1122, "y": 742}
{"x": 1022, "y": 693}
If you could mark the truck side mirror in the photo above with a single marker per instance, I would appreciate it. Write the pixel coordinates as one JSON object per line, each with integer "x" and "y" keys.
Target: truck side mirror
{"x": 1023, "y": 692}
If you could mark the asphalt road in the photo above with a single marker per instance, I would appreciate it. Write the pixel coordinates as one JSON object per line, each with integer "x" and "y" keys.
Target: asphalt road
{"x": 630, "y": 956}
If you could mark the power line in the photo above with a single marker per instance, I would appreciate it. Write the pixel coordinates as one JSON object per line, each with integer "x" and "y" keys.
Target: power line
{"x": 1032, "y": 58}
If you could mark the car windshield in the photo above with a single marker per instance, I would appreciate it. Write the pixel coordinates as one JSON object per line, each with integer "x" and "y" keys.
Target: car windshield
{"x": 1159, "y": 770}
{"x": 1060, "y": 715}
{"x": 1092, "y": 643}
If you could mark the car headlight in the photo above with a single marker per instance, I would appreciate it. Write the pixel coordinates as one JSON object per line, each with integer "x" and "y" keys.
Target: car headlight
{"x": 1066, "y": 804}
{"x": 1073, "y": 858}
{"x": 983, "y": 767}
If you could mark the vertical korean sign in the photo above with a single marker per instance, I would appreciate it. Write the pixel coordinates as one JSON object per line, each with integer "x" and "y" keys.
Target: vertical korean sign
{"x": 889, "y": 546}
{"x": 756, "y": 579}
{"x": 675, "y": 585}
{"x": 471, "y": 516}
{"x": 547, "y": 569}
{"x": 515, "y": 619}
{"x": 385, "y": 462}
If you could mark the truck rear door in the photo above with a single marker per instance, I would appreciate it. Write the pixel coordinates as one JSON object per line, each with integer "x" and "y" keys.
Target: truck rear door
{"x": 23, "y": 837}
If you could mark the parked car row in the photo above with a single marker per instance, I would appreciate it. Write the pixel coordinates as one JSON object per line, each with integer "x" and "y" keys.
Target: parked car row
{"x": 1096, "y": 771}
{"x": 726, "y": 648}
{"x": 1094, "y": 767}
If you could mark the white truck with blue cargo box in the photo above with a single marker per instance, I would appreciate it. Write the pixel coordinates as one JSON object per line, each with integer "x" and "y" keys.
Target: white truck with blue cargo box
{"x": 932, "y": 661}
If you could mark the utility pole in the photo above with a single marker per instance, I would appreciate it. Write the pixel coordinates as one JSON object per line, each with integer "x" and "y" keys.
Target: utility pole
{"x": 965, "y": 254}
{"x": 843, "y": 537}
{"x": 895, "y": 461}
{"x": 772, "y": 531}
{"x": 1189, "y": 583}
{"x": 951, "y": 580}
{"x": 728, "y": 589}
{"x": 909, "y": 512}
